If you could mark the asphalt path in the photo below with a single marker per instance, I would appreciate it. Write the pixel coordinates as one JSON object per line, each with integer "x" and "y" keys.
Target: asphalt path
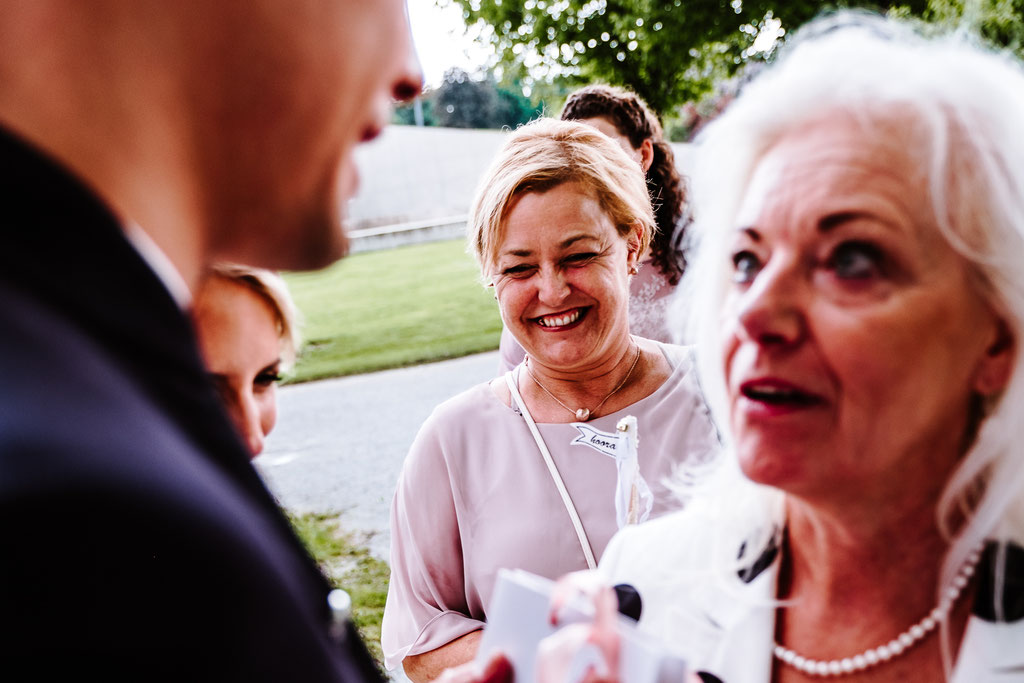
{"x": 339, "y": 444}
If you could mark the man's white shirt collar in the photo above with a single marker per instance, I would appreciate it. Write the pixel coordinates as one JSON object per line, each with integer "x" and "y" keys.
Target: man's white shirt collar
{"x": 161, "y": 266}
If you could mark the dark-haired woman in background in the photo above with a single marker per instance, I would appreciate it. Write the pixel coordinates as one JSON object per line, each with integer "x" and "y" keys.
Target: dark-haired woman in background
{"x": 626, "y": 119}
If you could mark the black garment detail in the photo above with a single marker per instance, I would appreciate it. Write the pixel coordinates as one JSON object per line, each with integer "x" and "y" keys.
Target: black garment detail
{"x": 630, "y": 603}
{"x": 763, "y": 561}
{"x": 1013, "y": 587}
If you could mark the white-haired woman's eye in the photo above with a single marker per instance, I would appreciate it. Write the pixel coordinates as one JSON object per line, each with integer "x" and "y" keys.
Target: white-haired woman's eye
{"x": 746, "y": 265}
{"x": 855, "y": 260}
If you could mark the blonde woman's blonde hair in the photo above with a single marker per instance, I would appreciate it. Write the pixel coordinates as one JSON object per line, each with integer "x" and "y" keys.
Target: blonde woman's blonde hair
{"x": 544, "y": 154}
{"x": 271, "y": 288}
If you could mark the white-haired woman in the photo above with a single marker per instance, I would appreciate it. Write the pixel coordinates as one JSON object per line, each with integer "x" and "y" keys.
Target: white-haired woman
{"x": 860, "y": 310}
{"x": 523, "y": 471}
{"x": 248, "y": 335}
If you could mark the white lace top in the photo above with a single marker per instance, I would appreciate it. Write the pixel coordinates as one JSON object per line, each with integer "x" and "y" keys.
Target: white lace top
{"x": 648, "y": 303}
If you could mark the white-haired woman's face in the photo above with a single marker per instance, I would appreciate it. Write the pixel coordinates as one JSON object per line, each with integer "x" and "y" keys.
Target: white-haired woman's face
{"x": 853, "y": 336}
{"x": 241, "y": 345}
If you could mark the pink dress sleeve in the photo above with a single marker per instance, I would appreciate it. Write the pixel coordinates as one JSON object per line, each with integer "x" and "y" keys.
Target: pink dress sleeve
{"x": 427, "y": 605}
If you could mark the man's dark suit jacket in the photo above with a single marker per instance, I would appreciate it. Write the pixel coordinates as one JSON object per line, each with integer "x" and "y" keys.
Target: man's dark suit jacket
{"x": 136, "y": 540}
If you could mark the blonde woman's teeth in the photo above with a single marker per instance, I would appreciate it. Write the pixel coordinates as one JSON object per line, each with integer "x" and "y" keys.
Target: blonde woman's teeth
{"x": 559, "y": 320}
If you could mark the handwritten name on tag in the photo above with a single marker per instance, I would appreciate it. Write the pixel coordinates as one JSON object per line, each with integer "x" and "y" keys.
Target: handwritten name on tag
{"x": 609, "y": 443}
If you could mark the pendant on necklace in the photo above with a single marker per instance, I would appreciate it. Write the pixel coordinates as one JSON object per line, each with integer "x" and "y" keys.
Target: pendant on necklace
{"x": 582, "y": 414}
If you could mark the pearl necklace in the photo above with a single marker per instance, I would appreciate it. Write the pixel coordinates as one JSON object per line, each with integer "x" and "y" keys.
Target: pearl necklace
{"x": 896, "y": 646}
{"x": 583, "y": 414}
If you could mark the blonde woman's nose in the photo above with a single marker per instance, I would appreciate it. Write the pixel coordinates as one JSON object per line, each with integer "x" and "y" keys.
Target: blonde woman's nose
{"x": 246, "y": 415}
{"x": 552, "y": 287}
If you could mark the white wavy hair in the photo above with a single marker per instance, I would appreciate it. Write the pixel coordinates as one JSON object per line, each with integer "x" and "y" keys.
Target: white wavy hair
{"x": 967, "y": 104}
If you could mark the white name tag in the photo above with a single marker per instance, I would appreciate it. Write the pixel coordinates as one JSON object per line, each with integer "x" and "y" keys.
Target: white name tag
{"x": 609, "y": 443}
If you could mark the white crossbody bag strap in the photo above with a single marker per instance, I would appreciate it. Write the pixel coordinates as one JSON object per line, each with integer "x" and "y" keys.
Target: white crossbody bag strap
{"x": 588, "y": 552}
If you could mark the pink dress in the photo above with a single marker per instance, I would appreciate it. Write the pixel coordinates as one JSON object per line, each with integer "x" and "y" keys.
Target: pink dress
{"x": 648, "y": 305}
{"x": 475, "y": 496}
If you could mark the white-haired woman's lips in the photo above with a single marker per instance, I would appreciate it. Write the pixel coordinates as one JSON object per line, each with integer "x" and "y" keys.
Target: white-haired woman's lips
{"x": 778, "y": 393}
{"x": 561, "y": 319}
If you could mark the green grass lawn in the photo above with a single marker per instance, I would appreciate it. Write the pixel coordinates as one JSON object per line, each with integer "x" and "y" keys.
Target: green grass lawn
{"x": 391, "y": 308}
{"x": 349, "y": 566}
{"x": 369, "y": 312}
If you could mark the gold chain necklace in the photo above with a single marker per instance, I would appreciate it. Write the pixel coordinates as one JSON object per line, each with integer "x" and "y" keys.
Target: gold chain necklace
{"x": 583, "y": 414}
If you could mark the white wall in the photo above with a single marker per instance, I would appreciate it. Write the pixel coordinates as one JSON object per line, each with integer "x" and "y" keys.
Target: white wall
{"x": 411, "y": 173}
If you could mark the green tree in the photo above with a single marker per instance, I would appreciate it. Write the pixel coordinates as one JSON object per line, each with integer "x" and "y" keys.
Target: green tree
{"x": 1000, "y": 22}
{"x": 466, "y": 100}
{"x": 668, "y": 51}
{"x": 405, "y": 113}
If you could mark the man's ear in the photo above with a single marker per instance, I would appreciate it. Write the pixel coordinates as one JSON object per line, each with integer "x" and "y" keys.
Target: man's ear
{"x": 996, "y": 365}
{"x": 646, "y": 154}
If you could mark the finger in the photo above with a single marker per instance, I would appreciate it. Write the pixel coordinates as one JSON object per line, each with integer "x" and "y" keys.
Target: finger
{"x": 604, "y": 634}
{"x": 498, "y": 670}
{"x": 594, "y": 676}
{"x": 571, "y": 655}
{"x": 606, "y": 608}
{"x": 586, "y": 584}
{"x": 557, "y": 652}
{"x": 464, "y": 673}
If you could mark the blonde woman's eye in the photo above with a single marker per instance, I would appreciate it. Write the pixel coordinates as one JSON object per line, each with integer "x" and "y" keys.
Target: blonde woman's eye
{"x": 582, "y": 257}
{"x": 267, "y": 379}
{"x": 518, "y": 271}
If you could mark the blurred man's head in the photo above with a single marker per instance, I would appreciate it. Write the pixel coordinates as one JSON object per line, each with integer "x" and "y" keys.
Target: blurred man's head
{"x": 225, "y": 129}
{"x": 301, "y": 84}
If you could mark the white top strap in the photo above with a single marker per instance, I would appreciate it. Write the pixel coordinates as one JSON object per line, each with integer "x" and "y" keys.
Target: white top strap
{"x": 588, "y": 552}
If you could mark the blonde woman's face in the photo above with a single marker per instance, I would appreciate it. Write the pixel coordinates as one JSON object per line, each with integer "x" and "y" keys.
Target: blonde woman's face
{"x": 239, "y": 340}
{"x": 561, "y": 278}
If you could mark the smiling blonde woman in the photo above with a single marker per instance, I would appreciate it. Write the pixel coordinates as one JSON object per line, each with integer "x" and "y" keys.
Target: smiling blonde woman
{"x": 558, "y": 226}
{"x": 625, "y": 118}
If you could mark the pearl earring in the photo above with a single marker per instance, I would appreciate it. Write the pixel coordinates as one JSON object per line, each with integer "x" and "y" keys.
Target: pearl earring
{"x": 633, "y": 270}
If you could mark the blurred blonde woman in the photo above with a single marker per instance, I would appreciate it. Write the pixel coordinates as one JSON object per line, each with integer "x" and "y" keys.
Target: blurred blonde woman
{"x": 248, "y": 334}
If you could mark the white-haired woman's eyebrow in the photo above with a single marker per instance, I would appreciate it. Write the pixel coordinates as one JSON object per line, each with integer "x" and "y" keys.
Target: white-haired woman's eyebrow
{"x": 750, "y": 232}
{"x": 832, "y": 221}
